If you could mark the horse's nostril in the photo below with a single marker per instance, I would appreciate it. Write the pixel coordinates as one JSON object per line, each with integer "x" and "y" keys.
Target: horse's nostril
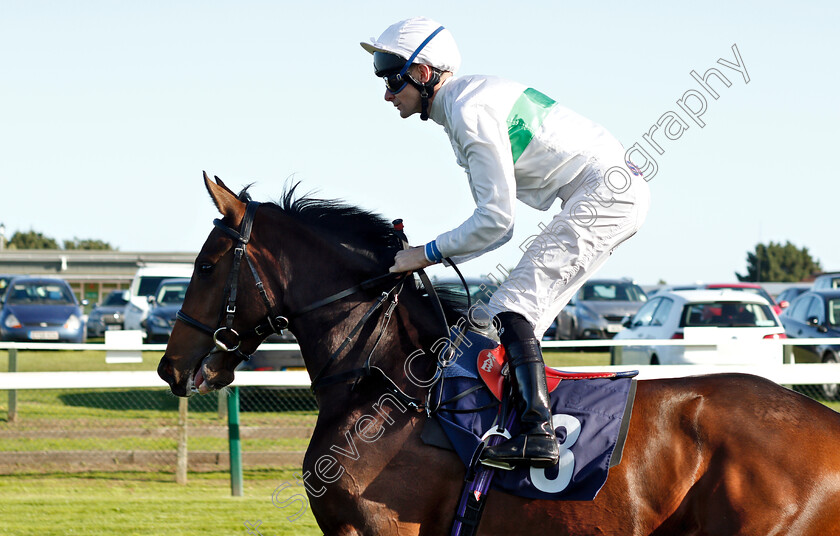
{"x": 166, "y": 370}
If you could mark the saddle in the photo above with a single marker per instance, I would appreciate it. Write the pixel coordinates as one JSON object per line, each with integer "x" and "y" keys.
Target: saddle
{"x": 493, "y": 370}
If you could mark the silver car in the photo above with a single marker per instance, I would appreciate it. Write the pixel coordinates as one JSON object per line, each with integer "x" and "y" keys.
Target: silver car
{"x": 107, "y": 315}
{"x": 598, "y": 309}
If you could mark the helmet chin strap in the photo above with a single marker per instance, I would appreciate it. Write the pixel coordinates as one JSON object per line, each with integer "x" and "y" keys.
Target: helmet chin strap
{"x": 426, "y": 91}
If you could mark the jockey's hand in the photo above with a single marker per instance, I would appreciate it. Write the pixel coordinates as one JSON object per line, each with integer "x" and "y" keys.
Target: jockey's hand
{"x": 408, "y": 260}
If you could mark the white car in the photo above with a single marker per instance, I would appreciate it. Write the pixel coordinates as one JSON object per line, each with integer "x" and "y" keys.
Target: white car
{"x": 144, "y": 284}
{"x": 718, "y": 327}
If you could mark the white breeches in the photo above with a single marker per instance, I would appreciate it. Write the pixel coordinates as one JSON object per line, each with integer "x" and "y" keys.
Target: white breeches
{"x": 605, "y": 209}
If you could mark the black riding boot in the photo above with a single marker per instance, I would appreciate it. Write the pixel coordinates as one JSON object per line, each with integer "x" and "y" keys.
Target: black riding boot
{"x": 536, "y": 443}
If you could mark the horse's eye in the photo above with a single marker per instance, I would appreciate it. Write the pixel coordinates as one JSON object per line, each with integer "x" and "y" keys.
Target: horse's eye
{"x": 205, "y": 268}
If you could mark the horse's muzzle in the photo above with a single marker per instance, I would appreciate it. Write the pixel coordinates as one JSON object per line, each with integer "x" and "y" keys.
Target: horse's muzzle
{"x": 166, "y": 371}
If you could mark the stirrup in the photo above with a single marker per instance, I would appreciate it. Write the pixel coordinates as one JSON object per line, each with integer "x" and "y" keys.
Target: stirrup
{"x": 497, "y": 464}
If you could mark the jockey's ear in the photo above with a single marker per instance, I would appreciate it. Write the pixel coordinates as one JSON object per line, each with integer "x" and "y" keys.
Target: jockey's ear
{"x": 225, "y": 200}
{"x": 423, "y": 73}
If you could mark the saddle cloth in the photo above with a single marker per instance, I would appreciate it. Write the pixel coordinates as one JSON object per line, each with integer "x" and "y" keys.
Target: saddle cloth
{"x": 589, "y": 415}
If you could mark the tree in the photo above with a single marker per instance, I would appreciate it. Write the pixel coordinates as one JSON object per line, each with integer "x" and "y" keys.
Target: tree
{"x": 779, "y": 263}
{"x": 32, "y": 240}
{"x": 88, "y": 243}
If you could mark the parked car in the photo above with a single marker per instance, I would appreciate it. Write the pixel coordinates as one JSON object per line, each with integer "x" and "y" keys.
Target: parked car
{"x": 827, "y": 280}
{"x": 737, "y": 326}
{"x": 747, "y": 287}
{"x": 815, "y": 315}
{"x": 787, "y": 296}
{"x": 144, "y": 284}
{"x": 107, "y": 315}
{"x": 164, "y": 304}
{"x": 41, "y": 309}
{"x": 599, "y": 307}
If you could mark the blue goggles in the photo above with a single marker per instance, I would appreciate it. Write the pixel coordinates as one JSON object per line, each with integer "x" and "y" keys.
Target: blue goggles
{"x": 393, "y": 69}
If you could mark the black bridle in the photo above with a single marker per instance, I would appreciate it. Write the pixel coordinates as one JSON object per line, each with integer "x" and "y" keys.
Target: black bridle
{"x": 275, "y": 322}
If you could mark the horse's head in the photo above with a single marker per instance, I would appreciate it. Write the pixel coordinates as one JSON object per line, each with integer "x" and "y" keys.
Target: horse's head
{"x": 221, "y": 321}
{"x": 307, "y": 258}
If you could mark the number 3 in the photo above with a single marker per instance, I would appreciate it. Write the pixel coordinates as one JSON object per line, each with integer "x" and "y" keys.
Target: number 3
{"x": 566, "y": 464}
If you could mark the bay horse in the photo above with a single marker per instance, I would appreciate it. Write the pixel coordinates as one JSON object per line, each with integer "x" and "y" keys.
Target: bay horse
{"x": 724, "y": 454}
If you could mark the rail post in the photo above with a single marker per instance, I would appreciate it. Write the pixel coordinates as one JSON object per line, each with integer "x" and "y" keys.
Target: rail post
{"x": 12, "y": 393}
{"x": 235, "y": 454}
{"x": 222, "y": 395}
{"x": 182, "y": 453}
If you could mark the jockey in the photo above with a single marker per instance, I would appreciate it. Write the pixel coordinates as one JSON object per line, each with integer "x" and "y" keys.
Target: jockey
{"x": 515, "y": 143}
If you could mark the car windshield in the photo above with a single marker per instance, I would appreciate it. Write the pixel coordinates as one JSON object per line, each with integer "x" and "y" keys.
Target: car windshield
{"x": 171, "y": 293}
{"x": 39, "y": 293}
{"x": 149, "y": 284}
{"x": 612, "y": 292}
{"x": 834, "y": 312}
{"x": 115, "y": 298}
{"x": 727, "y": 314}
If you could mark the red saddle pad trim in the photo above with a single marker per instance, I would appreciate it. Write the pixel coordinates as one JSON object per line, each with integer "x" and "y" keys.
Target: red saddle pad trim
{"x": 491, "y": 362}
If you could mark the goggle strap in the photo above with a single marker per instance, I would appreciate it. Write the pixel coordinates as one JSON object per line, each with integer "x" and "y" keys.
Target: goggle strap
{"x": 417, "y": 51}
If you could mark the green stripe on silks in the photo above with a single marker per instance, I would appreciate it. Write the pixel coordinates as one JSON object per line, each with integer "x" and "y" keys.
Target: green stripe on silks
{"x": 525, "y": 118}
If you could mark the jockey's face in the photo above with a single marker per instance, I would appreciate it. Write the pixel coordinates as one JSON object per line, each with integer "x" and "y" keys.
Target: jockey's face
{"x": 407, "y": 101}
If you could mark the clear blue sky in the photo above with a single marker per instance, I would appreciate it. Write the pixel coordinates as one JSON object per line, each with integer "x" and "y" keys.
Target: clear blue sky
{"x": 109, "y": 112}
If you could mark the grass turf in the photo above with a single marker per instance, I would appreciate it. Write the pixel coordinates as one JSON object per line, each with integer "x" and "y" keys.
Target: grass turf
{"x": 148, "y": 503}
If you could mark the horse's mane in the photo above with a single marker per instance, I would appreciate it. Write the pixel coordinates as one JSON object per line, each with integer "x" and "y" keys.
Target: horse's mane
{"x": 358, "y": 229}
{"x": 354, "y": 228}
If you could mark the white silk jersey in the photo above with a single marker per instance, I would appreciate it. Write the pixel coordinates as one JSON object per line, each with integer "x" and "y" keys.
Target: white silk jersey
{"x": 514, "y": 143}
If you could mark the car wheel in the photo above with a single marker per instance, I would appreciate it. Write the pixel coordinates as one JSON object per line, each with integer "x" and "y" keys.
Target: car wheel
{"x": 830, "y": 391}
{"x": 654, "y": 359}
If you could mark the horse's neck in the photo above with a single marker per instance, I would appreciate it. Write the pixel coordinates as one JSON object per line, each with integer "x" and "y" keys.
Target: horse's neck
{"x": 310, "y": 256}
{"x": 387, "y": 344}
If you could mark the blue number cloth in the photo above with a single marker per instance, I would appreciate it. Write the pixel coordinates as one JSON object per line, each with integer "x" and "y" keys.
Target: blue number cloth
{"x": 587, "y": 415}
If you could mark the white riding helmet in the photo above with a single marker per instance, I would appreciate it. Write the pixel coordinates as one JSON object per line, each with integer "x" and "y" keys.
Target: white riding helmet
{"x": 404, "y": 38}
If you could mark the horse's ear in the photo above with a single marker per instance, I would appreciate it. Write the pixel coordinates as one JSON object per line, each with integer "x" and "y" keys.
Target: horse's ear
{"x": 225, "y": 200}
